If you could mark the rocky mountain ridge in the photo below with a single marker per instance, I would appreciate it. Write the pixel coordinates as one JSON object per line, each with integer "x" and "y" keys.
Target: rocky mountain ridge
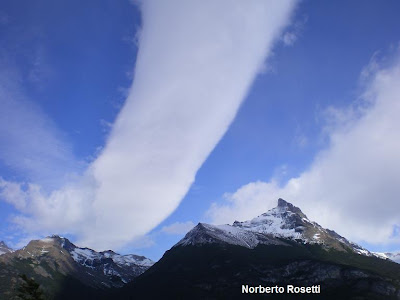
{"x": 55, "y": 263}
{"x": 284, "y": 222}
{"x": 113, "y": 269}
{"x": 277, "y": 248}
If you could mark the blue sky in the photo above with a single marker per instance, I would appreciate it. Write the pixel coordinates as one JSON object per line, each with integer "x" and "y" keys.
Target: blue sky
{"x": 287, "y": 106}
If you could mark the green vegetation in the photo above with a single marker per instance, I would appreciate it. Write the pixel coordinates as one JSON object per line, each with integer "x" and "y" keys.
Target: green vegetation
{"x": 215, "y": 271}
{"x": 29, "y": 289}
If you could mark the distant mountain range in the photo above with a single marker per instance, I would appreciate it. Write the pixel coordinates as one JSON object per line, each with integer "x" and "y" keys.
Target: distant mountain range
{"x": 56, "y": 263}
{"x": 281, "y": 248}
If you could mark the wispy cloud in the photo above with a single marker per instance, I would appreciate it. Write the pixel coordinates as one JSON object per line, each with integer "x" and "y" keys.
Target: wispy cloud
{"x": 178, "y": 227}
{"x": 352, "y": 186}
{"x": 294, "y": 31}
{"x": 31, "y": 144}
{"x": 196, "y": 62}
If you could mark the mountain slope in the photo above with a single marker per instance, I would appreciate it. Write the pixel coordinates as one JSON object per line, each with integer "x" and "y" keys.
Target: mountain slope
{"x": 281, "y": 247}
{"x": 55, "y": 262}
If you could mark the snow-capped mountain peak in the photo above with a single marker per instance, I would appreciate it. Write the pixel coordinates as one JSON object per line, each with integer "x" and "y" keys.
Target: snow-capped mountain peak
{"x": 283, "y": 222}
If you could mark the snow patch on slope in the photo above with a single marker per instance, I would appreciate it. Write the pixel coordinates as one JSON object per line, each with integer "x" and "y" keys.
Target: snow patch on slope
{"x": 87, "y": 256}
{"x": 128, "y": 259}
{"x": 273, "y": 223}
{"x": 207, "y": 234}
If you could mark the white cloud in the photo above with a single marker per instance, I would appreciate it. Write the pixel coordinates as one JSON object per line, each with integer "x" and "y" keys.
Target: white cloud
{"x": 196, "y": 62}
{"x": 352, "y": 186}
{"x": 247, "y": 202}
{"x": 178, "y": 227}
{"x": 12, "y": 193}
{"x": 22, "y": 241}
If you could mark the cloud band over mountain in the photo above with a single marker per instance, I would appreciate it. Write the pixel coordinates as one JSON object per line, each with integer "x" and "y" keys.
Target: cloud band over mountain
{"x": 196, "y": 62}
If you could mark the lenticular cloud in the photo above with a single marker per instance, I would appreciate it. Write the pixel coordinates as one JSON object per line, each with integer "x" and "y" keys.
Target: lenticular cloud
{"x": 196, "y": 62}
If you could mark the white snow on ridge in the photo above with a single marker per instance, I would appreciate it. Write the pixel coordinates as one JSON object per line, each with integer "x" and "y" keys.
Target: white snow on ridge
{"x": 381, "y": 255}
{"x": 284, "y": 221}
{"x": 109, "y": 263}
{"x": 83, "y": 255}
{"x": 129, "y": 259}
{"x": 237, "y": 236}
{"x": 223, "y": 233}
{"x": 247, "y": 234}
{"x": 363, "y": 252}
{"x": 271, "y": 222}
{"x": 393, "y": 256}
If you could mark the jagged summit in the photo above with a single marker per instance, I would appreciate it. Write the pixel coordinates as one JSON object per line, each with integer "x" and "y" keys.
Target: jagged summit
{"x": 282, "y": 203}
{"x": 290, "y": 207}
{"x": 283, "y": 222}
{"x": 4, "y": 248}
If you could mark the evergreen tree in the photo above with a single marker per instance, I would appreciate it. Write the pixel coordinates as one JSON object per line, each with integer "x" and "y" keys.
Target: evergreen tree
{"x": 29, "y": 289}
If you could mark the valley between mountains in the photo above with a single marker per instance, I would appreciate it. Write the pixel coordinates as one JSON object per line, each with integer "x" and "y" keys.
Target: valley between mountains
{"x": 278, "y": 248}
